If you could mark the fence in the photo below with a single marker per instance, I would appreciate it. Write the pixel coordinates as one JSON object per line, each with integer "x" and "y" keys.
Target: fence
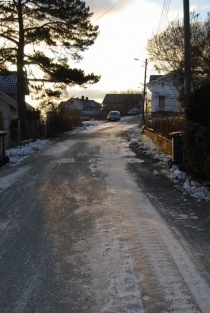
{"x": 166, "y": 125}
{"x": 34, "y": 130}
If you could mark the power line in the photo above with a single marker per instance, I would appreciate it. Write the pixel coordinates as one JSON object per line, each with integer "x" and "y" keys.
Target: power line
{"x": 108, "y": 11}
{"x": 164, "y": 15}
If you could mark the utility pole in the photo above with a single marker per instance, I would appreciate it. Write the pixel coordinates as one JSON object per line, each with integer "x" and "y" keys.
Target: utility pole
{"x": 187, "y": 49}
{"x": 144, "y": 92}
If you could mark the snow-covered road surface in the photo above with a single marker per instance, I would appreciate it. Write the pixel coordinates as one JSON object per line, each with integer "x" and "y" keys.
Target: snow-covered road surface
{"x": 80, "y": 235}
{"x": 141, "y": 249}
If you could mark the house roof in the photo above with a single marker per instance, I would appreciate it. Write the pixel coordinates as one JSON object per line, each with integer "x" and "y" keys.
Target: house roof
{"x": 91, "y": 104}
{"x": 154, "y": 77}
{"x": 172, "y": 76}
{"x": 8, "y": 83}
{"x": 122, "y": 98}
{"x": 83, "y": 102}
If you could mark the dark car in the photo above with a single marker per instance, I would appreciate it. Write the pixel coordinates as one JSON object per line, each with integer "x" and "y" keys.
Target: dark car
{"x": 133, "y": 112}
{"x": 113, "y": 116}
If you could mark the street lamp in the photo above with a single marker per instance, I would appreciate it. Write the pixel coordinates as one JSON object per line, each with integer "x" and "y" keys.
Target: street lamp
{"x": 144, "y": 91}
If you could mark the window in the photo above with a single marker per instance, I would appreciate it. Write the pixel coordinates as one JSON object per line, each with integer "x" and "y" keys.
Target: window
{"x": 162, "y": 101}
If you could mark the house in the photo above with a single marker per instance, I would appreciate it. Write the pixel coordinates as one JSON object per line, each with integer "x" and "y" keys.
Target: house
{"x": 8, "y": 103}
{"x": 165, "y": 92}
{"x": 8, "y": 112}
{"x": 86, "y": 108}
{"x": 123, "y": 102}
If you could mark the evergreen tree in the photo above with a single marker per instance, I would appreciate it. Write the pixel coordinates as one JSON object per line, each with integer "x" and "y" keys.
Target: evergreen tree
{"x": 40, "y": 37}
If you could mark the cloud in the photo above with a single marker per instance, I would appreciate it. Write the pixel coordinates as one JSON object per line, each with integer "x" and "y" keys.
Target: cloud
{"x": 104, "y": 7}
{"x": 91, "y": 93}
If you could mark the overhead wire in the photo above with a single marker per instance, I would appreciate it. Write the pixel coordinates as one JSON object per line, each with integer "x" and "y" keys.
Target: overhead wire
{"x": 164, "y": 15}
{"x": 162, "y": 23}
{"x": 108, "y": 11}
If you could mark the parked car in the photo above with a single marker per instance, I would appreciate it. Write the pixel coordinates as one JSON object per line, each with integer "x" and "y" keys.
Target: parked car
{"x": 113, "y": 116}
{"x": 133, "y": 112}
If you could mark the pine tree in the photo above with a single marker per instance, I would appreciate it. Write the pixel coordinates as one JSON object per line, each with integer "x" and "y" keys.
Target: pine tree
{"x": 39, "y": 38}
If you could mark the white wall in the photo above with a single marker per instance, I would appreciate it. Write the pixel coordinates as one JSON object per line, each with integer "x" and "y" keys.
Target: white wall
{"x": 8, "y": 113}
{"x": 166, "y": 89}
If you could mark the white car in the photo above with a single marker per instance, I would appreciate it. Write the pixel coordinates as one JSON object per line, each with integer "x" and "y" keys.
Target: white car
{"x": 113, "y": 116}
{"x": 133, "y": 112}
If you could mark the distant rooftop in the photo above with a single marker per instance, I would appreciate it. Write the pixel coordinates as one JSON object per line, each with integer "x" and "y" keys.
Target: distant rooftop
{"x": 121, "y": 98}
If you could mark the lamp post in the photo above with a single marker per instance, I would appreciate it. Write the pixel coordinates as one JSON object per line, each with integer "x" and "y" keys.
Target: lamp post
{"x": 144, "y": 90}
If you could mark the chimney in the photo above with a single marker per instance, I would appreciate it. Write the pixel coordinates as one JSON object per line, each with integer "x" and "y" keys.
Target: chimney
{"x": 86, "y": 98}
{"x": 82, "y": 97}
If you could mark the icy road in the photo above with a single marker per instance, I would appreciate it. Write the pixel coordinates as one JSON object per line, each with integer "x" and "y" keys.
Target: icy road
{"x": 84, "y": 230}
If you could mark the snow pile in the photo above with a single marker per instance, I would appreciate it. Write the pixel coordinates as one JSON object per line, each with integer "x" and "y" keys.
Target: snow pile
{"x": 18, "y": 154}
{"x": 180, "y": 178}
{"x": 195, "y": 189}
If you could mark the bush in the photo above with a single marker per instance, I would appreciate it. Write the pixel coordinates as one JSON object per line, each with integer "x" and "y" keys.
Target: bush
{"x": 197, "y": 150}
{"x": 197, "y": 109}
{"x": 61, "y": 121}
{"x": 197, "y": 133}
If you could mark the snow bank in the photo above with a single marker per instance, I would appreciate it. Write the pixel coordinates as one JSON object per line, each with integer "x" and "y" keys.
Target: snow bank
{"x": 180, "y": 178}
{"x": 18, "y": 154}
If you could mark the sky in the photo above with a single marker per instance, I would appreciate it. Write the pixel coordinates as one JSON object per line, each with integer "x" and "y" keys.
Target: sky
{"x": 125, "y": 27}
{"x": 180, "y": 179}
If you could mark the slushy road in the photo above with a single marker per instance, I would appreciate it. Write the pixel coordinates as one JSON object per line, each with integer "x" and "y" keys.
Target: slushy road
{"x": 84, "y": 229}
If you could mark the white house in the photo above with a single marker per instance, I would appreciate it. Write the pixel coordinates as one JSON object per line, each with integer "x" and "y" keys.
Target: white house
{"x": 164, "y": 93}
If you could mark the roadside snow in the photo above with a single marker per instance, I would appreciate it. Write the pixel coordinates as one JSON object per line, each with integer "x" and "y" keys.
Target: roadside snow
{"x": 18, "y": 154}
{"x": 181, "y": 179}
